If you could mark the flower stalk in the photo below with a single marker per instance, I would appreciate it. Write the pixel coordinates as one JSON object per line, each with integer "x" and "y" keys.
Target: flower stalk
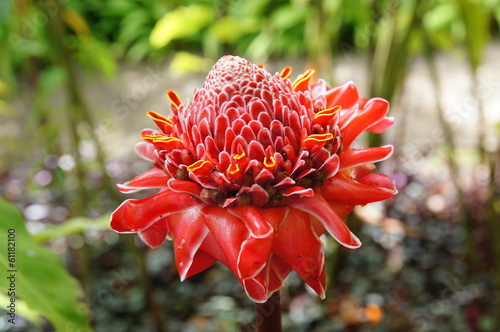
{"x": 268, "y": 314}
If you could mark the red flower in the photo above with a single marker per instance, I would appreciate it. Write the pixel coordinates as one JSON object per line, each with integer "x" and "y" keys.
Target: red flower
{"x": 253, "y": 170}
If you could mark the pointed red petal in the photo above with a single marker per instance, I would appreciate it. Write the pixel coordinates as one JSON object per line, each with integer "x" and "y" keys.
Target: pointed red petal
{"x": 297, "y": 190}
{"x": 269, "y": 280}
{"x": 374, "y": 111}
{"x": 258, "y": 196}
{"x": 256, "y": 289}
{"x": 371, "y": 188}
{"x": 345, "y": 95}
{"x": 382, "y": 125}
{"x": 298, "y": 245}
{"x": 264, "y": 177}
{"x": 342, "y": 210}
{"x": 145, "y": 150}
{"x": 136, "y": 215}
{"x": 381, "y": 181}
{"x": 229, "y": 232}
{"x": 318, "y": 207}
{"x": 201, "y": 261}
{"x": 154, "y": 178}
{"x": 182, "y": 186}
{"x": 256, "y": 248}
{"x": 277, "y": 271}
{"x": 330, "y": 166}
{"x": 356, "y": 157}
{"x": 188, "y": 232}
{"x": 155, "y": 234}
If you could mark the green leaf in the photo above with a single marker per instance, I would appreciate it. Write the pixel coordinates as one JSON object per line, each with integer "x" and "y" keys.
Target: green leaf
{"x": 4, "y": 88}
{"x": 120, "y": 8}
{"x": 441, "y": 16}
{"x": 41, "y": 280}
{"x": 229, "y": 29}
{"x": 133, "y": 25}
{"x": 50, "y": 79}
{"x": 96, "y": 55}
{"x": 185, "y": 63}
{"x": 22, "y": 308}
{"x": 71, "y": 227}
{"x": 288, "y": 16}
{"x": 261, "y": 46}
{"x": 179, "y": 23}
{"x": 139, "y": 50}
{"x": 477, "y": 21}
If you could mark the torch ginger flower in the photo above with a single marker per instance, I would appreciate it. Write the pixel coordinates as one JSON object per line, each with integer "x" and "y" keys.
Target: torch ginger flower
{"x": 253, "y": 171}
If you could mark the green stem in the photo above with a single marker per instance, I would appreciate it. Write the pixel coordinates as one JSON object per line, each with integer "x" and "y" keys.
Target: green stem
{"x": 78, "y": 110}
{"x": 494, "y": 231}
{"x": 149, "y": 300}
{"x": 481, "y": 123}
{"x": 391, "y": 54}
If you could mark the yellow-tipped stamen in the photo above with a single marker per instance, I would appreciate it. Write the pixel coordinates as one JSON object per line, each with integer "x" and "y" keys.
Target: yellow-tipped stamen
{"x": 149, "y": 137}
{"x": 160, "y": 138}
{"x": 165, "y": 142}
{"x": 198, "y": 165}
{"x": 233, "y": 169}
{"x": 162, "y": 122}
{"x": 166, "y": 139}
{"x": 269, "y": 162}
{"x": 239, "y": 156}
{"x": 174, "y": 98}
{"x": 286, "y": 72}
{"x": 327, "y": 112}
{"x": 301, "y": 83}
{"x": 157, "y": 117}
{"x": 319, "y": 137}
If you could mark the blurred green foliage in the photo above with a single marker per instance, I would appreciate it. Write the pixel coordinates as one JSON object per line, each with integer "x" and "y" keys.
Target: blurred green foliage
{"x": 40, "y": 279}
{"x": 44, "y": 41}
{"x": 140, "y": 29}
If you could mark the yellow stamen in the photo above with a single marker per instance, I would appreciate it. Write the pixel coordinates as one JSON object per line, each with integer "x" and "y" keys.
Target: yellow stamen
{"x": 149, "y": 137}
{"x": 233, "y": 169}
{"x": 174, "y": 98}
{"x": 239, "y": 156}
{"x": 159, "y": 118}
{"x": 166, "y": 142}
{"x": 197, "y": 165}
{"x": 269, "y": 163}
{"x": 160, "y": 138}
{"x": 301, "y": 83}
{"x": 286, "y": 72}
{"x": 327, "y": 112}
{"x": 319, "y": 137}
{"x": 166, "y": 139}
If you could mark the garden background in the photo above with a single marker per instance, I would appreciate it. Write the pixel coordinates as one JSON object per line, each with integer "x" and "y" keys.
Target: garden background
{"x": 77, "y": 77}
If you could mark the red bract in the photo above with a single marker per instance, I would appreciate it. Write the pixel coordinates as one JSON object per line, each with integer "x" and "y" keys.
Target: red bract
{"x": 253, "y": 170}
